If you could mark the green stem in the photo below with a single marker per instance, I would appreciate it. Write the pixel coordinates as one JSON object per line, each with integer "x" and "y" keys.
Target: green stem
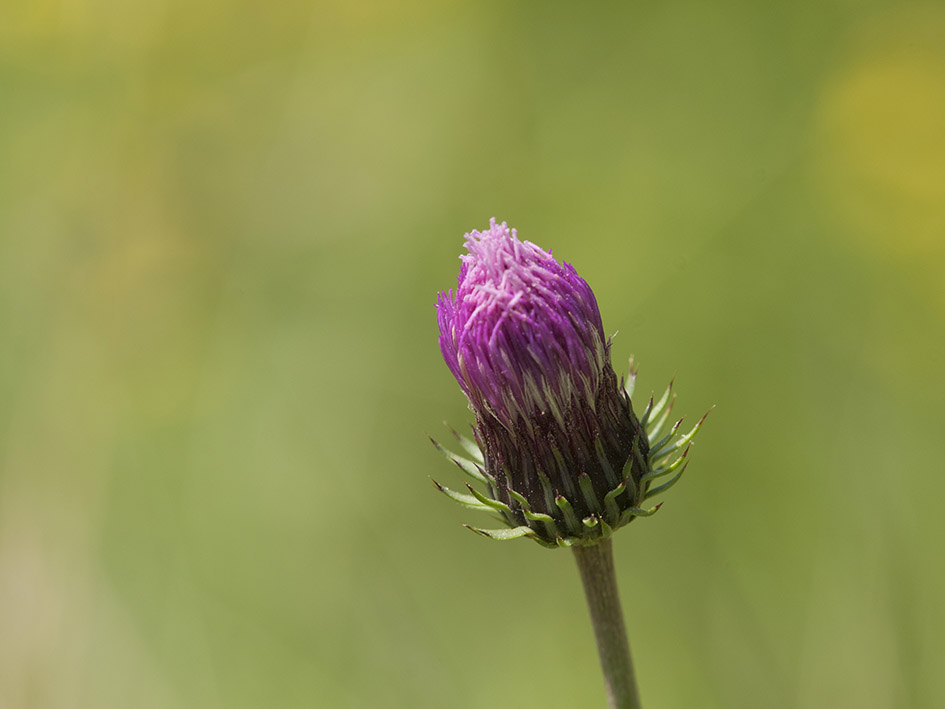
{"x": 596, "y": 564}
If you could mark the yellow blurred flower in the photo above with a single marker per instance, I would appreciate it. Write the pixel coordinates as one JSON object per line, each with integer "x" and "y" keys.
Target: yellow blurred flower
{"x": 881, "y": 136}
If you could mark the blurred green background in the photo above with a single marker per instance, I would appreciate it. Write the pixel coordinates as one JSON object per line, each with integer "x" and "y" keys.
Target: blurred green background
{"x": 222, "y": 228}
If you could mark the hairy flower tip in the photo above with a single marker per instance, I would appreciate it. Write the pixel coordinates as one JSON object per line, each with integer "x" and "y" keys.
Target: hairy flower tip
{"x": 522, "y": 333}
{"x": 563, "y": 455}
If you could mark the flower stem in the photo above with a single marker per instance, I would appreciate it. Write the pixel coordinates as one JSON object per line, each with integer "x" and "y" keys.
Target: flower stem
{"x": 596, "y": 564}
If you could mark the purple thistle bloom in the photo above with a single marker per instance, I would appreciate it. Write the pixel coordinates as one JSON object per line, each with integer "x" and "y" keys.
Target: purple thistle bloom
{"x": 523, "y": 336}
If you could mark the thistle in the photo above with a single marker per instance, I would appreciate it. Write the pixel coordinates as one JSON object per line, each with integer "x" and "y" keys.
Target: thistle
{"x": 558, "y": 453}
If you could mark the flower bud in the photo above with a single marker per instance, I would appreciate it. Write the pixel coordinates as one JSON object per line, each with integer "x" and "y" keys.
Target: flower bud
{"x": 557, "y": 444}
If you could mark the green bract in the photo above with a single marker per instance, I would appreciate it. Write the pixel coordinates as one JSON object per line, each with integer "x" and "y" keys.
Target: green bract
{"x": 663, "y": 466}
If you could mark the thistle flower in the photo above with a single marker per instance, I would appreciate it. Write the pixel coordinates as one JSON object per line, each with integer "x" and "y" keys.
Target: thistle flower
{"x": 557, "y": 446}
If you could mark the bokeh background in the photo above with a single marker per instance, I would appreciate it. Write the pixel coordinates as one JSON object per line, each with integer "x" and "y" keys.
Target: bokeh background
{"x": 222, "y": 228}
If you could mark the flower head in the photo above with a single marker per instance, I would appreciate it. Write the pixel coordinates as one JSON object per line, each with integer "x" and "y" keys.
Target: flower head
{"x": 522, "y": 334}
{"x": 563, "y": 456}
